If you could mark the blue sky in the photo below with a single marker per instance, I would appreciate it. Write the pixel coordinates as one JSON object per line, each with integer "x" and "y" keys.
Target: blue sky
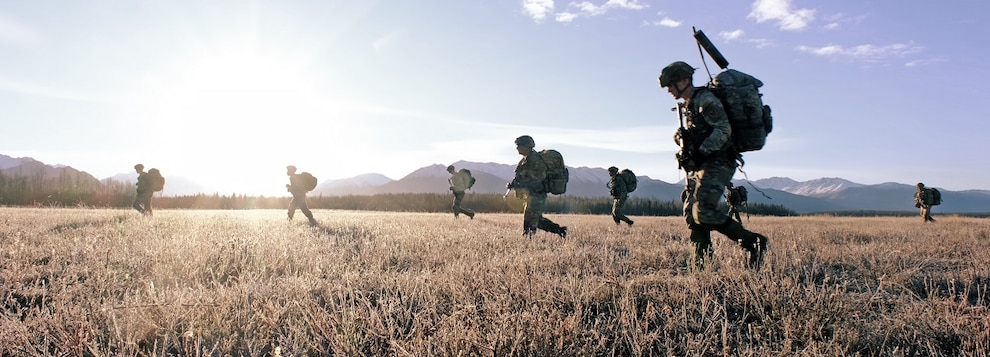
{"x": 229, "y": 92}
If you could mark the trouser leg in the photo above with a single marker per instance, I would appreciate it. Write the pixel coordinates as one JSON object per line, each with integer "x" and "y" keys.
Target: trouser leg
{"x": 754, "y": 243}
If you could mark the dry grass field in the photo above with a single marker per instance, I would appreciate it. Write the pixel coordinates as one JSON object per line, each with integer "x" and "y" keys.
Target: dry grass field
{"x": 109, "y": 282}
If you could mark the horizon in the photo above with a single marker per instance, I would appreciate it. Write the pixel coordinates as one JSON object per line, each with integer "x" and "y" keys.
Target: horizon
{"x": 461, "y": 162}
{"x": 345, "y": 88}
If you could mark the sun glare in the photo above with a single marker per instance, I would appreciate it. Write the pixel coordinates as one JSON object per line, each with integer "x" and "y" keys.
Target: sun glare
{"x": 245, "y": 111}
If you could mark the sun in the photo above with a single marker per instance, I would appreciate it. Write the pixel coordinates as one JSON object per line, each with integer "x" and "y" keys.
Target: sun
{"x": 246, "y": 110}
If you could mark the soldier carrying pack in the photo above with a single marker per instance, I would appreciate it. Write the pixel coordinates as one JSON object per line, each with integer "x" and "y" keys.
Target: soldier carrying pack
{"x": 740, "y": 96}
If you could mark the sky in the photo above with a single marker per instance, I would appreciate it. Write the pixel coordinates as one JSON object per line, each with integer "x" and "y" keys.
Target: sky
{"x": 227, "y": 93}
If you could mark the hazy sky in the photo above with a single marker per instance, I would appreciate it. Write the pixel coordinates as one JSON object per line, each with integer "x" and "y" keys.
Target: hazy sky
{"x": 229, "y": 92}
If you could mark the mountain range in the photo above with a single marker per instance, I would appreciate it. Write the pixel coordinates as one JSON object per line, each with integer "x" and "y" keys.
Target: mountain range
{"x": 828, "y": 194}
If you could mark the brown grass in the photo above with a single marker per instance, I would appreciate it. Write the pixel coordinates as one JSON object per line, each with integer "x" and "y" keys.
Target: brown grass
{"x": 108, "y": 282}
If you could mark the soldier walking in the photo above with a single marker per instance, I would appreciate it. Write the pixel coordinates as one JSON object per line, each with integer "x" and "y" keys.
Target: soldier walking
{"x": 142, "y": 199}
{"x": 707, "y": 157}
{"x": 529, "y": 184}
{"x": 298, "y": 190}
{"x": 459, "y": 182}
{"x": 620, "y": 193}
{"x": 923, "y": 199}
{"x": 735, "y": 198}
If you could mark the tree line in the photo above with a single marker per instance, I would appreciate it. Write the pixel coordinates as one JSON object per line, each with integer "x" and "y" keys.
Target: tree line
{"x": 71, "y": 191}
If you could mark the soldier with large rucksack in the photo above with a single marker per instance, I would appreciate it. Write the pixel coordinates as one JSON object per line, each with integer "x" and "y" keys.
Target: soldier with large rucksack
{"x": 538, "y": 173}
{"x": 460, "y": 181}
{"x": 710, "y": 148}
{"x": 735, "y": 199}
{"x": 620, "y": 184}
{"x": 925, "y": 198}
{"x": 299, "y": 184}
{"x": 146, "y": 187}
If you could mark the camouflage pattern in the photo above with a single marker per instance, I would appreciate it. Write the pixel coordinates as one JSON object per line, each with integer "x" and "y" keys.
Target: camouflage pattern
{"x": 706, "y": 142}
{"x": 459, "y": 181}
{"x": 706, "y": 116}
{"x": 531, "y": 174}
{"x": 458, "y": 184}
{"x": 619, "y": 192}
{"x": 557, "y": 174}
{"x": 674, "y": 72}
{"x": 529, "y": 183}
{"x": 734, "y": 200}
{"x": 704, "y": 190}
{"x": 922, "y": 199}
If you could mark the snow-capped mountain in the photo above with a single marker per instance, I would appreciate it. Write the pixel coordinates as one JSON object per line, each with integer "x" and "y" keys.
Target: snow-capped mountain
{"x": 822, "y": 187}
{"x": 818, "y": 195}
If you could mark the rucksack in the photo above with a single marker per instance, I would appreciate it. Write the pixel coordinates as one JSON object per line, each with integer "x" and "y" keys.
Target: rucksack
{"x": 737, "y": 195}
{"x": 155, "y": 180}
{"x": 743, "y": 103}
{"x": 470, "y": 178}
{"x": 308, "y": 181}
{"x": 629, "y": 178}
{"x": 557, "y": 174}
{"x": 936, "y": 197}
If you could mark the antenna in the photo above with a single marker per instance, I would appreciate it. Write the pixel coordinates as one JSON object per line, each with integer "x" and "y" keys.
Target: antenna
{"x": 705, "y": 43}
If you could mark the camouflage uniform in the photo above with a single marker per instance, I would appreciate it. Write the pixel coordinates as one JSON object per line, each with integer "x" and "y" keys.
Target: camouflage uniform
{"x": 296, "y": 188}
{"x": 733, "y": 201}
{"x": 142, "y": 199}
{"x": 922, "y": 198}
{"x": 710, "y": 163}
{"x": 620, "y": 193}
{"x": 529, "y": 183}
{"x": 458, "y": 184}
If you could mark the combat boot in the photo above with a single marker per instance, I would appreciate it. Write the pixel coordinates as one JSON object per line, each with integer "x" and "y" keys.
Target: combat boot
{"x": 754, "y": 243}
{"x": 756, "y": 248}
{"x": 702, "y": 240}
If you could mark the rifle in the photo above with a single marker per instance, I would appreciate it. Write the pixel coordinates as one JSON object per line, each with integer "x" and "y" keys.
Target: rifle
{"x": 683, "y": 156}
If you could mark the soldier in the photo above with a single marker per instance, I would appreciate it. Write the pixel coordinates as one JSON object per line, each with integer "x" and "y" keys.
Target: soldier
{"x": 923, "y": 200}
{"x": 459, "y": 182}
{"x": 142, "y": 201}
{"x": 707, "y": 157}
{"x": 620, "y": 193}
{"x": 298, "y": 191}
{"x": 735, "y": 197}
{"x": 529, "y": 184}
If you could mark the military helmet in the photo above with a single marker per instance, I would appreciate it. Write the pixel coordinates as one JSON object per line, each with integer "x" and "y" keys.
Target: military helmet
{"x": 450, "y": 168}
{"x": 139, "y": 167}
{"x": 920, "y": 185}
{"x": 674, "y": 72}
{"x": 526, "y": 141}
{"x": 613, "y": 170}
{"x": 290, "y": 168}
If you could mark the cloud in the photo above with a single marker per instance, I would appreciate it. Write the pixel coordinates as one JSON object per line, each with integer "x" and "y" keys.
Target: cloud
{"x": 665, "y": 22}
{"x": 863, "y": 53}
{"x": 838, "y": 20}
{"x": 925, "y": 62}
{"x": 537, "y": 9}
{"x": 781, "y": 12}
{"x": 760, "y": 42}
{"x": 729, "y": 36}
{"x": 14, "y": 32}
{"x": 566, "y": 17}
